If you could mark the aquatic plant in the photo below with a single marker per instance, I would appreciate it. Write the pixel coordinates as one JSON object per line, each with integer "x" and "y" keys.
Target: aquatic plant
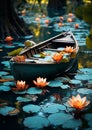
{"x": 41, "y": 82}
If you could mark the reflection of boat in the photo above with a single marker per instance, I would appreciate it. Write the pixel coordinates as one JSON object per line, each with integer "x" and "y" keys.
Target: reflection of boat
{"x": 39, "y": 61}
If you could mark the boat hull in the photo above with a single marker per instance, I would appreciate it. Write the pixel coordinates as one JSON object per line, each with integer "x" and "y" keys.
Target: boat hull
{"x": 29, "y": 72}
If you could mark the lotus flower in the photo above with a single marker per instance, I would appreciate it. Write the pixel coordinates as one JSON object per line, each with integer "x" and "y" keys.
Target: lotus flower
{"x": 41, "y": 82}
{"x": 57, "y": 57}
{"x": 19, "y": 58}
{"x": 8, "y": 39}
{"x": 78, "y": 102}
{"x": 20, "y": 85}
{"x": 70, "y": 49}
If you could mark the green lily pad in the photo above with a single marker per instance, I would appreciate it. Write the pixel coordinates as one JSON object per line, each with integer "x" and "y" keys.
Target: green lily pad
{"x": 4, "y": 110}
{"x": 36, "y": 122}
{"x": 84, "y": 91}
{"x": 34, "y": 91}
{"x": 59, "y": 118}
{"x": 72, "y": 123}
{"x": 55, "y": 83}
{"x": 31, "y": 108}
{"x": 53, "y": 108}
{"x": 4, "y": 88}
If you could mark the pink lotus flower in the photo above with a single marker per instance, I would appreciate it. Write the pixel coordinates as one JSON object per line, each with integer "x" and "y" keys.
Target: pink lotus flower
{"x": 78, "y": 102}
{"x": 41, "y": 82}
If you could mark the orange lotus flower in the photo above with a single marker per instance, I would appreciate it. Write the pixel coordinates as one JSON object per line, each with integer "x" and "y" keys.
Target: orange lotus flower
{"x": 20, "y": 85}
{"x": 69, "y": 49}
{"x": 76, "y": 26}
{"x": 19, "y": 58}
{"x": 78, "y": 102}
{"x": 57, "y": 57}
{"x": 8, "y": 39}
{"x": 41, "y": 82}
{"x": 69, "y": 20}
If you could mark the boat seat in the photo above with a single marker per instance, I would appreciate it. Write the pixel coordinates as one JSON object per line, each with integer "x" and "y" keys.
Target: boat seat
{"x": 64, "y": 40}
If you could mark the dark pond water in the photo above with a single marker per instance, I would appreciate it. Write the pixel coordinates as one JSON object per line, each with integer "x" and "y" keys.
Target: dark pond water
{"x": 35, "y": 109}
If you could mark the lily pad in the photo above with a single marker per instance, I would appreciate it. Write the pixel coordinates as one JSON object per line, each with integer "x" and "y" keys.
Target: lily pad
{"x": 86, "y": 70}
{"x": 34, "y": 91}
{"x": 83, "y": 77}
{"x": 19, "y": 92}
{"x": 76, "y": 82}
{"x": 3, "y": 73}
{"x": 5, "y": 110}
{"x": 63, "y": 79}
{"x": 72, "y": 123}
{"x": 88, "y": 117}
{"x": 36, "y": 122}
{"x": 53, "y": 108}
{"x": 84, "y": 91}
{"x": 64, "y": 86}
{"x": 31, "y": 108}
{"x": 9, "y": 83}
{"x": 55, "y": 83}
{"x": 22, "y": 99}
{"x": 8, "y": 77}
{"x": 5, "y": 63}
{"x": 59, "y": 118}
{"x": 4, "y": 88}
{"x": 7, "y": 46}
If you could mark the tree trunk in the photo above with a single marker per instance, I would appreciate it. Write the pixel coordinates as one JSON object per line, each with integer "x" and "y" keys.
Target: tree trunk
{"x": 56, "y": 4}
{"x": 56, "y": 7}
{"x": 10, "y": 23}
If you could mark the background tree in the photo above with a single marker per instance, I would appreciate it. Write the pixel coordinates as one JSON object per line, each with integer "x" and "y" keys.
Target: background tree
{"x": 10, "y": 23}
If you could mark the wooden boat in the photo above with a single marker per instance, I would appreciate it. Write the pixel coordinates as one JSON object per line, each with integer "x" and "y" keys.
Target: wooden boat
{"x": 39, "y": 61}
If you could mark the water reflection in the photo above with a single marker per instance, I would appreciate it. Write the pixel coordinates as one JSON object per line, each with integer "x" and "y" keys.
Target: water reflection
{"x": 33, "y": 109}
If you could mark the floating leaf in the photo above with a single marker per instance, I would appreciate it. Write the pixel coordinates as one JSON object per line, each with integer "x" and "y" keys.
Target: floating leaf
{"x": 76, "y": 82}
{"x": 4, "y": 88}
{"x": 31, "y": 108}
{"x": 36, "y": 122}
{"x": 5, "y": 110}
{"x": 64, "y": 86}
{"x": 63, "y": 79}
{"x": 83, "y": 77}
{"x": 86, "y": 70}
{"x": 9, "y": 83}
{"x": 34, "y": 91}
{"x": 72, "y": 123}
{"x": 5, "y": 63}
{"x": 22, "y": 99}
{"x": 55, "y": 83}
{"x": 8, "y": 77}
{"x": 53, "y": 108}
{"x": 88, "y": 117}
{"x": 59, "y": 118}
{"x": 3, "y": 73}
{"x": 84, "y": 91}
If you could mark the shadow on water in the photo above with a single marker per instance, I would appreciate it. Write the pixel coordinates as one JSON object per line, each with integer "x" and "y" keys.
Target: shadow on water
{"x": 48, "y": 109}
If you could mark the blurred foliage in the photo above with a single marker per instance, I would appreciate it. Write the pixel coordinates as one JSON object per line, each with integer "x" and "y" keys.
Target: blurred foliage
{"x": 85, "y": 12}
{"x": 15, "y": 52}
{"x": 37, "y": 1}
{"x": 87, "y": 1}
{"x": 89, "y": 40}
